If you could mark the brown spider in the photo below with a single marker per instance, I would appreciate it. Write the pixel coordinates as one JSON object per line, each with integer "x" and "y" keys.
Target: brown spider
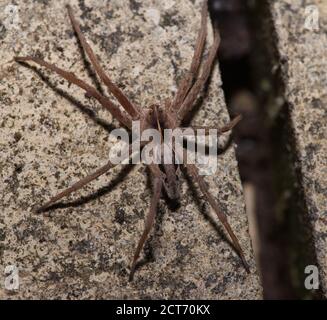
{"x": 158, "y": 117}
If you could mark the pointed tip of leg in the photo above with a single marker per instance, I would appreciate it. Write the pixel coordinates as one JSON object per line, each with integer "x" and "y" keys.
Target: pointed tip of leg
{"x": 131, "y": 275}
{"x": 132, "y": 271}
{"x": 70, "y": 12}
{"x": 38, "y": 210}
{"x": 20, "y": 59}
{"x": 24, "y": 59}
{"x": 245, "y": 264}
{"x": 247, "y": 268}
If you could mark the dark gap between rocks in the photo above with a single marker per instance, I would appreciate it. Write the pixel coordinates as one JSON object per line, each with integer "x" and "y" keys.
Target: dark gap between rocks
{"x": 275, "y": 203}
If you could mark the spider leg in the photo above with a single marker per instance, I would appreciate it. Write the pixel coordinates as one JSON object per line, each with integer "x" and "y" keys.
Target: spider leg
{"x": 157, "y": 187}
{"x": 193, "y": 171}
{"x": 76, "y": 186}
{"x": 187, "y": 81}
{"x": 229, "y": 126}
{"x": 81, "y": 183}
{"x": 187, "y": 104}
{"x": 119, "y": 95}
{"x": 122, "y": 117}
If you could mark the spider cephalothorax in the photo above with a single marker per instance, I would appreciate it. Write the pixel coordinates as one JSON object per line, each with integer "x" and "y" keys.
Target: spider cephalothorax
{"x": 160, "y": 117}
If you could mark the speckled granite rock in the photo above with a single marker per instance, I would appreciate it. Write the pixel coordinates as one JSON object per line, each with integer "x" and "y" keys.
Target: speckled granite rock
{"x": 84, "y": 249}
{"x": 303, "y": 49}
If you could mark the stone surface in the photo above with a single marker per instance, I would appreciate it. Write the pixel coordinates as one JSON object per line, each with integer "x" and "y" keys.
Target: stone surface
{"x": 49, "y": 140}
{"x": 302, "y": 46}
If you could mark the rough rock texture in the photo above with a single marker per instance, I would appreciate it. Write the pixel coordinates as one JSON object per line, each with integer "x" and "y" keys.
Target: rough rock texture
{"x": 50, "y": 139}
{"x": 302, "y": 48}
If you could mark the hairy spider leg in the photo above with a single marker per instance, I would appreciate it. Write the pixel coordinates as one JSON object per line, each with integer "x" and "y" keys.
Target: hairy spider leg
{"x": 132, "y": 110}
{"x": 122, "y": 117}
{"x": 157, "y": 188}
{"x": 187, "y": 81}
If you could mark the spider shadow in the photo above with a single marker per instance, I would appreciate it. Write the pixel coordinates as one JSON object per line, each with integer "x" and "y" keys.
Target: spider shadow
{"x": 92, "y": 75}
{"x": 149, "y": 245}
{"x": 202, "y": 208}
{"x": 220, "y": 151}
{"x": 174, "y": 205}
{"x": 196, "y": 196}
{"x": 88, "y": 111}
{"x": 95, "y": 195}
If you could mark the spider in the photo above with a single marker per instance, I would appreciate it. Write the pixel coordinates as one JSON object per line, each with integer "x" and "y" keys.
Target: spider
{"x": 169, "y": 116}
